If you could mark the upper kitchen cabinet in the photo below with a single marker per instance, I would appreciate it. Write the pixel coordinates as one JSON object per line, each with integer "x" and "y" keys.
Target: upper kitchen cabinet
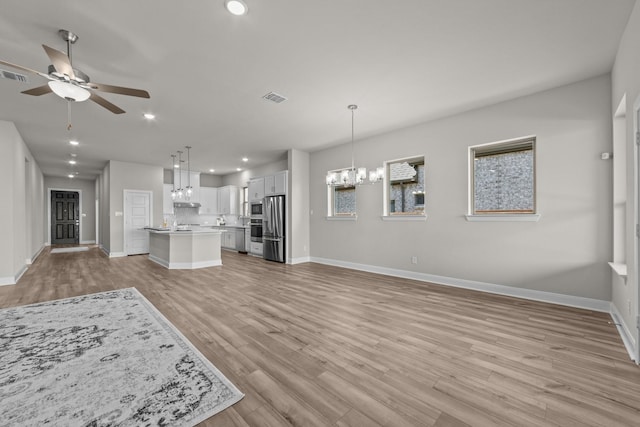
{"x": 275, "y": 184}
{"x": 256, "y": 190}
{"x": 167, "y": 201}
{"x": 229, "y": 200}
{"x": 208, "y": 201}
{"x": 184, "y": 178}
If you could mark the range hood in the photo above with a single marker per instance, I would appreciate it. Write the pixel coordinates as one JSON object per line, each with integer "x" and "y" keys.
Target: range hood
{"x": 186, "y": 205}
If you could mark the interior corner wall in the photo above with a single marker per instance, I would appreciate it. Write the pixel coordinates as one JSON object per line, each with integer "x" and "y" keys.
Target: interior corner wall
{"x": 625, "y": 80}
{"x": 565, "y": 252}
{"x": 105, "y": 209}
{"x": 88, "y": 208}
{"x": 298, "y": 205}
{"x": 131, "y": 176}
{"x": 22, "y": 216}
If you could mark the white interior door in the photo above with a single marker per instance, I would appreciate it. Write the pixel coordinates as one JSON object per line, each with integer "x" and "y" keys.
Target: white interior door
{"x": 137, "y": 211}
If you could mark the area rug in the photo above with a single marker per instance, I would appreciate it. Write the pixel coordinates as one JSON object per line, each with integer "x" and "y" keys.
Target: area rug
{"x": 103, "y": 359}
{"x": 73, "y": 249}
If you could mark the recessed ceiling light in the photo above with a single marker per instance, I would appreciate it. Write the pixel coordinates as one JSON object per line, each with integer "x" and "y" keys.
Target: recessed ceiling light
{"x": 212, "y": 170}
{"x": 244, "y": 159}
{"x": 70, "y": 176}
{"x": 238, "y": 169}
{"x": 236, "y": 7}
{"x": 72, "y": 162}
{"x": 74, "y": 142}
{"x": 149, "y": 116}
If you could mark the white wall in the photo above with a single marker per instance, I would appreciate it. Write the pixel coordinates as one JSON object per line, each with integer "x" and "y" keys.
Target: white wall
{"x": 566, "y": 252}
{"x": 87, "y": 210}
{"x": 625, "y": 79}
{"x": 22, "y": 215}
{"x": 129, "y": 176}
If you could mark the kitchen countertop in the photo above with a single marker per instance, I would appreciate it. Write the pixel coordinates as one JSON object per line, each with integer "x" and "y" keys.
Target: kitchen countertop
{"x": 187, "y": 232}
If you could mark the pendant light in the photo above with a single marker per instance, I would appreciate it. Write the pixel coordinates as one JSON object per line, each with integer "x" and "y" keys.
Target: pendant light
{"x": 189, "y": 189}
{"x": 180, "y": 190}
{"x": 173, "y": 169}
{"x": 348, "y": 177}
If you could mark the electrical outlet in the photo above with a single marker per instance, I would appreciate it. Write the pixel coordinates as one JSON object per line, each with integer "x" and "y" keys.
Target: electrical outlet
{"x": 414, "y": 260}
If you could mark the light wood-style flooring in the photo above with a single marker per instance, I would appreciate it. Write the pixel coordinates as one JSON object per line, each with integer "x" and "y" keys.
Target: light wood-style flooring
{"x": 313, "y": 345}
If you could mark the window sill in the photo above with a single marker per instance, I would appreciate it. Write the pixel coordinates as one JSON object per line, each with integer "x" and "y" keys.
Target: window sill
{"x": 620, "y": 269}
{"x": 504, "y": 218}
{"x": 342, "y": 218}
{"x": 404, "y": 217}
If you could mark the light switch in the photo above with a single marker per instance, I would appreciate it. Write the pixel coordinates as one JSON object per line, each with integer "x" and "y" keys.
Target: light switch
{"x": 118, "y": 213}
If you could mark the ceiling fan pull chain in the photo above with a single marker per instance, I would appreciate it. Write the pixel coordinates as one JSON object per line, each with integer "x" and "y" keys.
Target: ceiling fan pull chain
{"x": 69, "y": 116}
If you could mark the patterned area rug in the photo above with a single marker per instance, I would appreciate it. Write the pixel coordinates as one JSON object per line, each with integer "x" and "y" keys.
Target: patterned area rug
{"x": 103, "y": 359}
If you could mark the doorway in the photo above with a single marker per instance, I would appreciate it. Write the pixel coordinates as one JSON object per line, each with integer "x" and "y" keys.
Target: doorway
{"x": 137, "y": 215}
{"x": 65, "y": 217}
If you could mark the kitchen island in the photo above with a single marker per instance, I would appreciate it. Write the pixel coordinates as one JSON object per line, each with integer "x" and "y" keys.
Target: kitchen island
{"x": 185, "y": 249}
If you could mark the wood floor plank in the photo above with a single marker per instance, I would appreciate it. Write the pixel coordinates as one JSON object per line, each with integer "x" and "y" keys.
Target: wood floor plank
{"x": 316, "y": 345}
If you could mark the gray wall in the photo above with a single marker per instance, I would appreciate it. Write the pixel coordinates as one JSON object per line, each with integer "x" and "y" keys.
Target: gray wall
{"x": 298, "y": 206}
{"x": 87, "y": 210}
{"x": 626, "y": 81}
{"x": 566, "y": 252}
{"x": 240, "y": 179}
{"x": 22, "y": 215}
{"x": 130, "y": 176}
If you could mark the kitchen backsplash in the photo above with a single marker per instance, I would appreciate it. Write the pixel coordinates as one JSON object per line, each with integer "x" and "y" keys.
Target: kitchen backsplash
{"x": 191, "y": 216}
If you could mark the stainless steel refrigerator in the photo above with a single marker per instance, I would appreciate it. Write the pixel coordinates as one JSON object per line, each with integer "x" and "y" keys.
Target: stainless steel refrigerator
{"x": 273, "y": 229}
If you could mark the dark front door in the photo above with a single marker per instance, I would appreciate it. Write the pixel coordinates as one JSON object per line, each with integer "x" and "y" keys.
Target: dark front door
{"x": 65, "y": 217}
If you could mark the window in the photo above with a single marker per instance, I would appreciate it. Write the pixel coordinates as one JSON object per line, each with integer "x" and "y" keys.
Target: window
{"x": 404, "y": 187}
{"x": 503, "y": 178}
{"x": 244, "y": 201}
{"x": 341, "y": 198}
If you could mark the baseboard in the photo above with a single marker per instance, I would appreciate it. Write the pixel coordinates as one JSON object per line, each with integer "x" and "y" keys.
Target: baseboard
{"x": 4, "y": 281}
{"x": 185, "y": 265}
{"x": 37, "y": 254}
{"x": 20, "y": 273}
{"x": 116, "y": 254}
{"x": 530, "y": 294}
{"x": 299, "y": 260}
{"x": 112, "y": 254}
{"x": 625, "y": 334}
{"x": 87, "y": 242}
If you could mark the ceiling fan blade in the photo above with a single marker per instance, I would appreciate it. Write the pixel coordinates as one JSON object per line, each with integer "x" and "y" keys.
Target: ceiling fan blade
{"x": 37, "y": 91}
{"x": 120, "y": 90}
{"x": 60, "y": 61}
{"x": 106, "y": 104}
{"x": 20, "y": 67}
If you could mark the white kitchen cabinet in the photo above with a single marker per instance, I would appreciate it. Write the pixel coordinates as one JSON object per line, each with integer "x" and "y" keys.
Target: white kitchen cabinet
{"x": 167, "y": 201}
{"x": 228, "y": 200}
{"x": 228, "y": 238}
{"x": 208, "y": 201}
{"x": 182, "y": 178}
{"x": 256, "y": 190}
{"x": 256, "y": 249}
{"x": 275, "y": 184}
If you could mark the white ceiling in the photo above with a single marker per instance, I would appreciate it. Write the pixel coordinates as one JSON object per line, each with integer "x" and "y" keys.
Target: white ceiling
{"x": 403, "y": 62}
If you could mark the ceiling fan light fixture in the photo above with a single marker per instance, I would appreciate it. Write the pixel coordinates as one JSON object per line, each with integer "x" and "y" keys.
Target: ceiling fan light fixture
{"x": 236, "y": 7}
{"x": 69, "y": 91}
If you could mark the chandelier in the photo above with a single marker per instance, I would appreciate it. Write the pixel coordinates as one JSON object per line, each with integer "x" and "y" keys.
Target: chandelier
{"x": 352, "y": 176}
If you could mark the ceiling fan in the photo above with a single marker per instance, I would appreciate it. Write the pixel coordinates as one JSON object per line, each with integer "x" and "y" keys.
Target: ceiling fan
{"x": 72, "y": 84}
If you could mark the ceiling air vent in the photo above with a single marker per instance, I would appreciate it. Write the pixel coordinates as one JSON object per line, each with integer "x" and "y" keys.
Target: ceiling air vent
{"x": 13, "y": 76}
{"x": 274, "y": 97}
